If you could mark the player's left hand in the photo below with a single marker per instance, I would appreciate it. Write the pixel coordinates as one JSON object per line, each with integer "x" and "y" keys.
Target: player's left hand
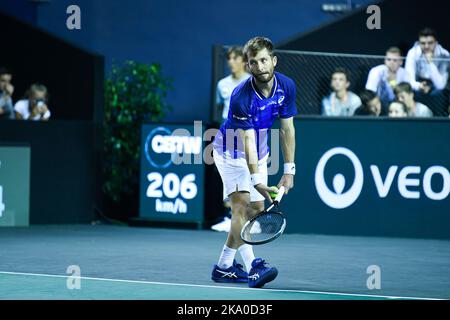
{"x": 264, "y": 190}
{"x": 287, "y": 180}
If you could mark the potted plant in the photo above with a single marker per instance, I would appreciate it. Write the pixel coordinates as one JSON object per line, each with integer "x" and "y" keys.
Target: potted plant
{"x": 134, "y": 93}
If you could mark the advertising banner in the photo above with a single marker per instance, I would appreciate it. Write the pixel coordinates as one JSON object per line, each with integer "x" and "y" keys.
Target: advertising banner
{"x": 172, "y": 173}
{"x": 371, "y": 177}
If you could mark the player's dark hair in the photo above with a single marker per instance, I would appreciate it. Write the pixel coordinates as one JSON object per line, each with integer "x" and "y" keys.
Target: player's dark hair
{"x": 366, "y": 96}
{"x": 427, "y": 32}
{"x": 256, "y": 44}
{"x": 237, "y": 50}
{"x": 403, "y": 87}
{"x": 343, "y": 71}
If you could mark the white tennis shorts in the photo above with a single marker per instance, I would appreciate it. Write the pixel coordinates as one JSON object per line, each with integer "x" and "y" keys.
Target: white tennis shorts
{"x": 236, "y": 176}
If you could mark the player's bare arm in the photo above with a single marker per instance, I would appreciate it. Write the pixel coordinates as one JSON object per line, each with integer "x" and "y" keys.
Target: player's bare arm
{"x": 251, "y": 156}
{"x": 287, "y": 139}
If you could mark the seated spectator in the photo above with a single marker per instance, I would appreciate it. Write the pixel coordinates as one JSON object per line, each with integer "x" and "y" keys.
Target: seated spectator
{"x": 398, "y": 109}
{"x": 427, "y": 66}
{"x": 340, "y": 102}
{"x": 371, "y": 104}
{"x": 6, "y": 91}
{"x": 405, "y": 94}
{"x": 383, "y": 78}
{"x": 34, "y": 106}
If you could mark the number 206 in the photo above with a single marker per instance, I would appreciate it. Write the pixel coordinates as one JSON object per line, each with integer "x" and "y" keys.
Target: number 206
{"x": 171, "y": 186}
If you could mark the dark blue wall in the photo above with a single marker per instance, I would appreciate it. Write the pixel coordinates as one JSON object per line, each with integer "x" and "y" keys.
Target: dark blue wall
{"x": 178, "y": 34}
{"x": 397, "y": 29}
{"x": 21, "y": 9}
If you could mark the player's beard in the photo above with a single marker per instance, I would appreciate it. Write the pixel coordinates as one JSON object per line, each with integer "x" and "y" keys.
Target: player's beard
{"x": 265, "y": 77}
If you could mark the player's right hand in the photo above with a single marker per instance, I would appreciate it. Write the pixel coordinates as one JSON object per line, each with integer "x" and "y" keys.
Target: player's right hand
{"x": 264, "y": 190}
{"x": 287, "y": 181}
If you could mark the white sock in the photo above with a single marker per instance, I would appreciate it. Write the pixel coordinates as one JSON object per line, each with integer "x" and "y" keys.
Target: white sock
{"x": 247, "y": 255}
{"x": 227, "y": 257}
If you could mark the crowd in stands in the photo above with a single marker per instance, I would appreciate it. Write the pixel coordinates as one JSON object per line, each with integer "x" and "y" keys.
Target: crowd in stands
{"x": 419, "y": 89}
{"x": 391, "y": 90}
{"x": 33, "y": 106}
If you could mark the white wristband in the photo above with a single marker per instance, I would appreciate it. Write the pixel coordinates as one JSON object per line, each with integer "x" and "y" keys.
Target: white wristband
{"x": 256, "y": 178}
{"x": 289, "y": 168}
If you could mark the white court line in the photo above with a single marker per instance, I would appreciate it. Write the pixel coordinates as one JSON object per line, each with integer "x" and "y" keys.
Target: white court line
{"x": 217, "y": 287}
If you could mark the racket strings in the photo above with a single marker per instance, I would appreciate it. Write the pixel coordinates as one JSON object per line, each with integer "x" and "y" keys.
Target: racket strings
{"x": 264, "y": 227}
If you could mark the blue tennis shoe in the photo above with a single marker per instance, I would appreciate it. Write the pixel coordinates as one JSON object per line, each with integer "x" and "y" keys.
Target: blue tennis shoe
{"x": 260, "y": 274}
{"x": 233, "y": 274}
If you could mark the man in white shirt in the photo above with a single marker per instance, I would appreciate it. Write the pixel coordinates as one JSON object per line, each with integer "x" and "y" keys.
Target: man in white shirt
{"x": 341, "y": 102}
{"x": 427, "y": 65}
{"x": 235, "y": 60}
{"x": 405, "y": 94}
{"x": 383, "y": 78}
{"x": 35, "y": 106}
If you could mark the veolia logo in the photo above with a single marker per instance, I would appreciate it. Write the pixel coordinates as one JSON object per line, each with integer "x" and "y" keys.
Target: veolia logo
{"x": 336, "y": 198}
{"x": 409, "y": 181}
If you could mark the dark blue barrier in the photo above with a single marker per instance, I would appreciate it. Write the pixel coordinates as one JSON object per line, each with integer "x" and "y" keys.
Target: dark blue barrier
{"x": 377, "y": 177}
{"x": 62, "y": 177}
{"x": 355, "y": 176}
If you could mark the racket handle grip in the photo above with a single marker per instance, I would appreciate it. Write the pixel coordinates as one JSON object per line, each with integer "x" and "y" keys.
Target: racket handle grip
{"x": 279, "y": 194}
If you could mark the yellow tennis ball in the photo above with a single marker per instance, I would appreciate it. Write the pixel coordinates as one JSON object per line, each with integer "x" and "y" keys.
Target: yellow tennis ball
{"x": 273, "y": 195}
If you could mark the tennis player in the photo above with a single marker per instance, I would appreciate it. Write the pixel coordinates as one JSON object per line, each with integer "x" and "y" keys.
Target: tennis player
{"x": 241, "y": 151}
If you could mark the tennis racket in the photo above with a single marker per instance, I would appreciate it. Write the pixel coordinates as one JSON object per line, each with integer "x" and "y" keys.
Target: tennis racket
{"x": 267, "y": 225}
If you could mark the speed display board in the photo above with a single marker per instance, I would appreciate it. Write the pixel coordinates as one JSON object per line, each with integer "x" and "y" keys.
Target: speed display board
{"x": 172, "y": 173}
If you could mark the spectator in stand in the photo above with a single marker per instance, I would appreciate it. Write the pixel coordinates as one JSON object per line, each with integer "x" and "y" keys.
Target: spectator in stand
{"x": 371, "y": 104}
{"x": 34, "y": 106}
{"x": 236, "y": 63}
{"x": 341, "y": 102}
{"x": 427, "y": 64}
{"x": 398, "y": 109}
{"x": 383, "y": 78}
{"x": 405, "y": 94}
{"x": 6, "y": 91}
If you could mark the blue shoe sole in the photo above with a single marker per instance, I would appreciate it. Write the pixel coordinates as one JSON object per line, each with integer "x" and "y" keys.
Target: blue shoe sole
{"x": 220, "y": 280}
{"x": 264, "y": 279}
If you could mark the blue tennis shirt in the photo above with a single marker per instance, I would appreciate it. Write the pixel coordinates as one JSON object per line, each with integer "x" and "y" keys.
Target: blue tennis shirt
{"x": 249, "y": 109}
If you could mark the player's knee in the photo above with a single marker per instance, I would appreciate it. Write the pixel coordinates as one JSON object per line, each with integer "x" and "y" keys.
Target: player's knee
{"x": 257, "y": 207}
{"x": 240, "y": 209}
{"x": 240, "y": 203}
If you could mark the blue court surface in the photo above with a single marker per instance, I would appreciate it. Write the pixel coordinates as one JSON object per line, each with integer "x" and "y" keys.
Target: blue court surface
{"x": 147, "y": 263}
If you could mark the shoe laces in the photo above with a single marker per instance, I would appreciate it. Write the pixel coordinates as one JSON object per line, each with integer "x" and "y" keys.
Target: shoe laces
{"x": 239, "y": 266}
{"x": 261, "y": 264}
